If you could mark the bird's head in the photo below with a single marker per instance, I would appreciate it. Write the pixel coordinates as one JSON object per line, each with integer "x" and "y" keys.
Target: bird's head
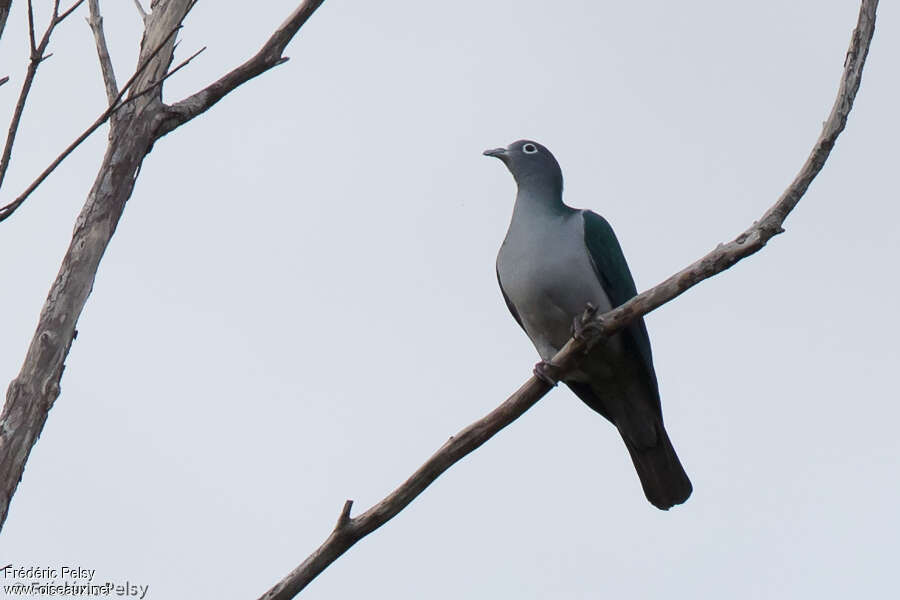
{"x": 530, "y": 164}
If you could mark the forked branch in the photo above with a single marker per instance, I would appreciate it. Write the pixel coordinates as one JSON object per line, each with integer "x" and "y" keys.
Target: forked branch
{"x": 348, "y": 530}
{"x": 134, "y": 129}
{"x": 38, "y": 55}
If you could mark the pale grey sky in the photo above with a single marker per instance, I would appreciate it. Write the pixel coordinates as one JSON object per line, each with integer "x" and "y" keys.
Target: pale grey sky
{"x": 300, "y": 304}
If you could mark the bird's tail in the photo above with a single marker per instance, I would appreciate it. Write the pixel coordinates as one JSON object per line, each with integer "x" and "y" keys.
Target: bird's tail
{"x": 664, "y": 481}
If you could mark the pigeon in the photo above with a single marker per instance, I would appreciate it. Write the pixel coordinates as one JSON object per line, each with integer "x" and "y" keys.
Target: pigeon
{"x": 555, "y": 263}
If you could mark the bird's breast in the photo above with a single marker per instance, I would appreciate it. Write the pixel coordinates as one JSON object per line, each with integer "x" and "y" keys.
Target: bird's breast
{"x": 548, "y": 276}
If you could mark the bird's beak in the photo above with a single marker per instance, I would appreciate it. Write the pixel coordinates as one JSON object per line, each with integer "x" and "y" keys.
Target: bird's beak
{"x": 496, "y": 153}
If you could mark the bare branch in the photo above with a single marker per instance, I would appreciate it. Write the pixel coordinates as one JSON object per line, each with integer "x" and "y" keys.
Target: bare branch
{"x": 31, "y": 28}
{"x": 350, "y": 530}
{"x": 54, "y": 18}
{"x": 180, "y": 66}
{"x": 344, "y": 517}
{"x": 68, "y": 11}
{"x": 141, "y": 10}
{"x": 268, "y": 56}
{"x": 17, "y": 117}
{"x": 106, "y": 67}
{"x": 4, "y": 79}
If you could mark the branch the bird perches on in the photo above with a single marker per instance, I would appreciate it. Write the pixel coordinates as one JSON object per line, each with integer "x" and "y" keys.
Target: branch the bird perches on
{"x": 350, "y": 530}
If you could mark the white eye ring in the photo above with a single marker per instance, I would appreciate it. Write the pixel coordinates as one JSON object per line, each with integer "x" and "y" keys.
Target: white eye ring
{"x": 529, "y": 149}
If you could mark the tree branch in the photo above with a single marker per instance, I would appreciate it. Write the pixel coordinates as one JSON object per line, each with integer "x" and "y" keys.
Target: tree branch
{"x": 31, "y": 28}
{"x": 68, "y": 11}
{"x": 106, "y": 67}
{"x": 134, "y": 130}
{"x": 270, "y": 55}
{"x": 348, "y": 530}
{"x": 141, "y": 10}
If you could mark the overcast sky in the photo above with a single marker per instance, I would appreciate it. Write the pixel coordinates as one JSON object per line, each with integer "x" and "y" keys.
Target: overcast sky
{"x": 300, "y": 305}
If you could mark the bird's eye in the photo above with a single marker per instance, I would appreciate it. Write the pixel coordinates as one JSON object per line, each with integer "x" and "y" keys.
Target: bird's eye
{"x": 529, "y": 149}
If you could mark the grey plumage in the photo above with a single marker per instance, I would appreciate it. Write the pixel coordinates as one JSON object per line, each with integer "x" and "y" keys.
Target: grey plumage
{"x": 553, "y": 262}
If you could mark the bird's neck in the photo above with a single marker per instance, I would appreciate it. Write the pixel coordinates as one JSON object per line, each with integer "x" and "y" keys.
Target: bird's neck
{"x": 539, "y": 200}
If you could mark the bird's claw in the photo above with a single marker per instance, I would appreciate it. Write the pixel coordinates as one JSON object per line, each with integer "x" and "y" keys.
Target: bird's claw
{"x": 583, "y": 325}
{"x": 547, "y": 372}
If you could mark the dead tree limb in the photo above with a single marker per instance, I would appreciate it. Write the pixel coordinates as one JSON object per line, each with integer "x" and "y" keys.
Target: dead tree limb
{"x": 133, "y": 130}
{"x": 141, "y": 10}
{"x": 349, "y": 530}
{"x": 106, "y": 67}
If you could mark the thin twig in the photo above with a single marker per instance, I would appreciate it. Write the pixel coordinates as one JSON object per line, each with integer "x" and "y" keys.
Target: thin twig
{"x": 348, "y": 531}
{"x": 31, "y": 29}
{"x": 4, "y": 79}
{"x": 16, "y": 118}
{"x": 180, "y": 65}
{"x": 106, "y": 67}
{"x": 68, "y": 11}
{"x": 53, "y": 18}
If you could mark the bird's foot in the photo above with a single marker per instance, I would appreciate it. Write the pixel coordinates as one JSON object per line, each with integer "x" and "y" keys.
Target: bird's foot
{"x": 583, "y": 325}
{"x": 547, "y": 372}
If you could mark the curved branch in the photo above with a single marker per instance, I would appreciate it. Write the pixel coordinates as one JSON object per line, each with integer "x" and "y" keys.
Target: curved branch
{"x": 348, "y": 530}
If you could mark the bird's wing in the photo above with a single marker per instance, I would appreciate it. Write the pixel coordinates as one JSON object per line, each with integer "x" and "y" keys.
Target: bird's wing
{"x": 509, "y": 304}
{"x": 615, "y": 277}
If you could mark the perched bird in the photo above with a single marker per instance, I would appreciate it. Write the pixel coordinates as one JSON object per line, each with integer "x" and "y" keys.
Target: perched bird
{"x": 557, "y": 260}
